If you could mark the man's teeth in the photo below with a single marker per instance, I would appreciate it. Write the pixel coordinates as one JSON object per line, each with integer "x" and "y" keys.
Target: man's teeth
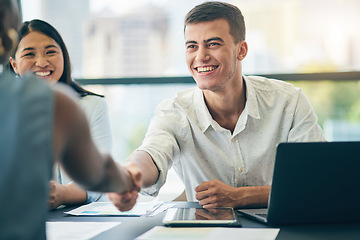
{"x": 205, "y": 69}
{"x": 42, "y": 74}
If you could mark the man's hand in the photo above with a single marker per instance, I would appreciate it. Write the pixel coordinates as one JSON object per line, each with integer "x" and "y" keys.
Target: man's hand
{"x": 126, "y": 201}
{"x": 123, "y": 201}
{"x": 215, "y": 193}
{"x": 55, "y": 194}
{"x": 135, "y": 174}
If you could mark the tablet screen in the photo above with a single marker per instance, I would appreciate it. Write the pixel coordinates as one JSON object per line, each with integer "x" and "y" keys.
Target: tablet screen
{"x": 200, "y": 216}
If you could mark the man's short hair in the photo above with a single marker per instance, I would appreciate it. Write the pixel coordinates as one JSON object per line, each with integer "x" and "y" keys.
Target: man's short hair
{"x": 212, "y": 10}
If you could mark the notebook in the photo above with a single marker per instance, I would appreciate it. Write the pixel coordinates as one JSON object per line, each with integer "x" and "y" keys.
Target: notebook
{"x": 314, "y": 182}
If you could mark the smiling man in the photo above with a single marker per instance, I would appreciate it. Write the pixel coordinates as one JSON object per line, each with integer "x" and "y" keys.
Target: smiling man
{"x": 221, "y": 136}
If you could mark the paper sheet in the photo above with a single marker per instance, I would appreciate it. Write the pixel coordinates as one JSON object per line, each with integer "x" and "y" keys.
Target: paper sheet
{"x": 107, "y": 208}
{"x": 149, "y": 208}
{"x": 76, "y": 230}
{"x": 203, "y": 233}
{"x": 159, "y": 208}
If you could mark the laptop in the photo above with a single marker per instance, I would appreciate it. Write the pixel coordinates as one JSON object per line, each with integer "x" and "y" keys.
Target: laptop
{"x": 315, "y": 182}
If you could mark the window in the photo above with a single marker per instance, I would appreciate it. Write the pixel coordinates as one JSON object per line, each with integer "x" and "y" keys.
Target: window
{"x": 144, "y": 38}
{"x": 284, "y": 36}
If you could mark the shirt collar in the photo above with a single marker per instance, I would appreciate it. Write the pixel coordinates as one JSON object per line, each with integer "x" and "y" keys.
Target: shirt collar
{"x": 251, "y": 99}
{"x": 201, "y": 110}
{"x": 204, "y": 116}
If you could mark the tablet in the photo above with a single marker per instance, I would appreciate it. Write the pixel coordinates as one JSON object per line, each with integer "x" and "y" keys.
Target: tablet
{"x": 197, "y": 217}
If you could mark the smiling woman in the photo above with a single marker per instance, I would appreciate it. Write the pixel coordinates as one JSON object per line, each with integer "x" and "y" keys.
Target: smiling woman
{"x": 39, "y": 54}
{"x": 40, "y": 43}
{"x": 41, "y": 51}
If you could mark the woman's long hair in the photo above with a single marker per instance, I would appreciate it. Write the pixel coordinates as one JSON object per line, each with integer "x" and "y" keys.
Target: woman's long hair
{"x": 50, "y": 31}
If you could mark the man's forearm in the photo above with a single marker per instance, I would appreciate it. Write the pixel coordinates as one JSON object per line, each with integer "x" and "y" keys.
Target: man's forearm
{"x": 114, "y": 179}
{"x": 253, "y": 197}
{"x": 143, "y": 161}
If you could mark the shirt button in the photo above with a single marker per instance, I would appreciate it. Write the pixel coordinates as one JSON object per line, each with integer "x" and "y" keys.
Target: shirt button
{"x": 240, "y": 169}
{"x": 233, "y": 139}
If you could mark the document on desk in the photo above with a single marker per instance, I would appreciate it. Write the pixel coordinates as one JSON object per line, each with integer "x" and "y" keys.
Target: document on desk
{"x": 209, "y": 233}
{"x": 76, "y": 230}
{"x": 108, "y": 209}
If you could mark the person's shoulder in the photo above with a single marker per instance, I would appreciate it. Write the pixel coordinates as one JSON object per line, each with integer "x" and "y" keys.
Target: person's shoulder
{"x": 268, "y": 84}
{"x": 92, "y": 101}
{"x": 93, "y": 98}
{"x": 182, "y": 99}
{"x": 186, "y": 94}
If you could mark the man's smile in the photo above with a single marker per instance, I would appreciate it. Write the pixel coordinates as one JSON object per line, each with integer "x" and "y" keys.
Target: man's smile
{"x": 206, "y": 69}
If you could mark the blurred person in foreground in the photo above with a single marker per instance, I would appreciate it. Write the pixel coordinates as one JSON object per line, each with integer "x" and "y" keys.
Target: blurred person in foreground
{"x": 41, "y": 125}
{"x": 221, "y": 136}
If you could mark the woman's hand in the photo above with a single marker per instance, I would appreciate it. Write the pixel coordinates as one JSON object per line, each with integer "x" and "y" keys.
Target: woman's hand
{"x": 56, "y": 194}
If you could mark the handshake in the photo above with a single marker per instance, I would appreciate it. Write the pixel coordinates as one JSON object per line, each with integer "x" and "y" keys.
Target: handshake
{"x": 125, "y": 201}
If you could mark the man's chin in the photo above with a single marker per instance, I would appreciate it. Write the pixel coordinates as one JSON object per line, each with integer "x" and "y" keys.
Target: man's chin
{"x": 205, "y": 87}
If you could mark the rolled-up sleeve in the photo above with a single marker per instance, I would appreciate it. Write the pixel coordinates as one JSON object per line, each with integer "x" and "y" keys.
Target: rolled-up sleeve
{"x": 161, "y": 144}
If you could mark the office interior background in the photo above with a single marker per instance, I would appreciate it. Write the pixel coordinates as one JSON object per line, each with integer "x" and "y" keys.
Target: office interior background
{"x": 133, "y": 53}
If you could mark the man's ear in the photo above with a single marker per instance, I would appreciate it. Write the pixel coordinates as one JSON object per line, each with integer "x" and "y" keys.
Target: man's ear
{"x": 242, "y": 49}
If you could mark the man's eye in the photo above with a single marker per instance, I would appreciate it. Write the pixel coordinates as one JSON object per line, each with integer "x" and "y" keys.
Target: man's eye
{"x": 213, "y": 44}
{"x": 190, "y": 46}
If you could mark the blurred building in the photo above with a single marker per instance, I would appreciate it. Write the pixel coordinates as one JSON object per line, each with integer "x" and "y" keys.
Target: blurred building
{"x": 130, "y": 45}
{"x": 294, "y": 36}
{"x": 272, "y": 31}
{"x": 68, "y": 17}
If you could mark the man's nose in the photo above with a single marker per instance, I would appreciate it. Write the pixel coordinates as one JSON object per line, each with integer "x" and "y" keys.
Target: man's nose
{"x": 202, "y": 54}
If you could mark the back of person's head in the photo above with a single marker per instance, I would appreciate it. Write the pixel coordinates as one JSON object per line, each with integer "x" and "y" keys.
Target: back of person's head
{"x": 213, "y": 10}
{"x": 10, "y": 18}
{"x": 45, "y": 28}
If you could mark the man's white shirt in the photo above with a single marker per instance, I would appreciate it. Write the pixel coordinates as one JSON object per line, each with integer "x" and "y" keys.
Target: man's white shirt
{"x": 183, "y": 134}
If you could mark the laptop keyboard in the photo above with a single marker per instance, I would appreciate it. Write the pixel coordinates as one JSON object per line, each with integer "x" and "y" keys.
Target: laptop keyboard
{"x": 264, "y": 215}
